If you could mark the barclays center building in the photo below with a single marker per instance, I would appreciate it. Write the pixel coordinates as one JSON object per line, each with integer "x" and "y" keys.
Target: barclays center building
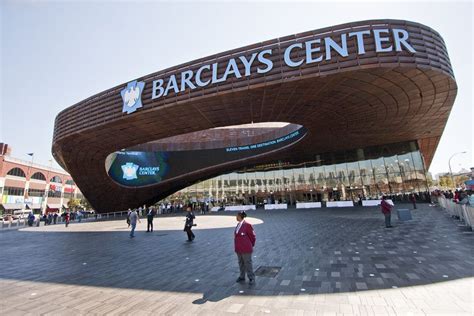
{"x": 348, "y": 111}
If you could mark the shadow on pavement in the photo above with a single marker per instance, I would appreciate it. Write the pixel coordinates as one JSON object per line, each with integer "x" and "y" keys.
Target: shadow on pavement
{"x": 319, "y": 251}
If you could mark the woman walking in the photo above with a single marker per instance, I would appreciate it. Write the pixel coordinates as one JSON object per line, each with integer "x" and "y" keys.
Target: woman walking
{"x": 244, "y": 241}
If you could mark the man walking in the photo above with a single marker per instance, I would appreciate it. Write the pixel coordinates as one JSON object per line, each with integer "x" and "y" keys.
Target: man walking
{"x": 386, "y": 210}
{"x": 133, "y": 222}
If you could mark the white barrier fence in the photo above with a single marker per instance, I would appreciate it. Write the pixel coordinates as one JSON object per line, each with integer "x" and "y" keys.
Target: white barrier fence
{"x": 308, "y": 205}
{"x": 339, "y": 204}
{"x": 276, "y": 206}
{"x": 462, "y": 211}
{"x": 375, "y": 202}
{"x": 240, "y": 208}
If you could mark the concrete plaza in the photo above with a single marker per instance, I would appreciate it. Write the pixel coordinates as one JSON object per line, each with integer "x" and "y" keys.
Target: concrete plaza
{"x": 333, "y": 262}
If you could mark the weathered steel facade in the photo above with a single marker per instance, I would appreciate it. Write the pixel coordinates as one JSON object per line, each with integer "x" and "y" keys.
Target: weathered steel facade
{"x": 344, "y": 103}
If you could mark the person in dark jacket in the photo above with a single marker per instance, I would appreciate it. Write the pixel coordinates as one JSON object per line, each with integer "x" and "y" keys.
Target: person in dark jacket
{"x": 413, "y": 200}
{"x": 386, "y": 210}
{"x": 31, "y": 219}
{"x": 189, "y": 224}
{"x": 149, "y": 216}
{"x": 244, "y": 241}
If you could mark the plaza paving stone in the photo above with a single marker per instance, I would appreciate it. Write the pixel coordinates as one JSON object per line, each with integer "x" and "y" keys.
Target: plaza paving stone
{"x": 333, "y": 262}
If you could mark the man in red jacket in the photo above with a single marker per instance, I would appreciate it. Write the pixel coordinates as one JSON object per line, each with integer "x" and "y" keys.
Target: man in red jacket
{"x": 386, "y": 210}
{"x": 244, "y": 241}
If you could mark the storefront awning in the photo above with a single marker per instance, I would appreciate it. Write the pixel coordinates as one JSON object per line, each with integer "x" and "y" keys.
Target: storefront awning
{"x": 13, "y": 206}
{"x": 54, "y": 206}
{"x": 33, "y": 206}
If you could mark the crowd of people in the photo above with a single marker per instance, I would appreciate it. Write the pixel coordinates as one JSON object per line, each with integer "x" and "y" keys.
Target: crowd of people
{"x": 458, "y": 196}
{"x": 175, "y": 207}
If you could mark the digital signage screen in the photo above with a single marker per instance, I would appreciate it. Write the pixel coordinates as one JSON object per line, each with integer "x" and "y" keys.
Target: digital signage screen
{"x": 142, "y": 168}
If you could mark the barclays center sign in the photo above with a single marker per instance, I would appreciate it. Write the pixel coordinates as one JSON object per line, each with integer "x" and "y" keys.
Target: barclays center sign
{"x": 308, "y": 52}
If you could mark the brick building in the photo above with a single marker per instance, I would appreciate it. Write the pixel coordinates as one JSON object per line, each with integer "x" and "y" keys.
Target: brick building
{"x": 25, "y": 185}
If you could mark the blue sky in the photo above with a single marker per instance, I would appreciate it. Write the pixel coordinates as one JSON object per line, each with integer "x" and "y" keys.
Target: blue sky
{"x": 54, "y": 54}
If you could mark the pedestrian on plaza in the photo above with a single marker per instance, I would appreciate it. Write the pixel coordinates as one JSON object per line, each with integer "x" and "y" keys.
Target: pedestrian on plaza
{"x": 189, "y": 224}
{"x": 67, "y": 218}
{"x": 413, "y": 200}
{"x": 31, "y": 219}
{"x": 55, "y": 218}
{"x": 386, "y": 210}
{"x": 128, "y": 217}
{"x": 149, "y": 217}
{"x": 50, "y": 218}
{"x": 456, "y": 196}
{"x": 244, "y": 241}
{"x": 133, "y": 222}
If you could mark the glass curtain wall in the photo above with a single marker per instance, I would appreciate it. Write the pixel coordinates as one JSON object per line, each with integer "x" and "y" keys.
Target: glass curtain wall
{"x": 366, "y": 178}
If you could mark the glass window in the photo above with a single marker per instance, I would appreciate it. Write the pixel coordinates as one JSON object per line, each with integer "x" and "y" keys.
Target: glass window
{"x": 56, "y": 179}
{"x": 396, "y": 182}
{"x": 417, "y": 161}
{"x": 290, "y": 181}
{"x": 330, "y": 175}
{"x": 392, "y": 164}
{"x": 17, "y": 172}
{"x": 260, "y": 180}
{"x": 35, "y": 192}
{"x": 365, "y": 167}
{"x": 38, "y": 176}
{"x": 14, "y": 191}
{"x": 378, "y": 165}
{"x": 52, "y": 193}
{"x": 318, "y": 178}
{"x": 301, "y": 175}
{"x": 354, "y": 180}
{"x": 406, "y": 166}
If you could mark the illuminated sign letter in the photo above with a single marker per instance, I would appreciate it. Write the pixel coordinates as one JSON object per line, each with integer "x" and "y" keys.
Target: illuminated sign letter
{"x": 330, "y": 43}
{"x": 186, "y": 80}
{"x": 360, "y": 40}
{"x": 287, "y": 54}
{"x": 214, "y": 74}
{"x": 261, "y": 58}
{"x": 232, "y": 68}
{"x": 379, "y": 40}
{"x": 402, "y": 40}
{"x": 172, "y": 84}
{"x": 310, "y": 50}
{"x": 199, "y": 81}
{"x": 248, "y": 63}
{"x": 157, "y": 86}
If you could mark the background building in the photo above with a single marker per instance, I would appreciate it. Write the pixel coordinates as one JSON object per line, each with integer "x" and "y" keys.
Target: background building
{"x": 25, "y": 185}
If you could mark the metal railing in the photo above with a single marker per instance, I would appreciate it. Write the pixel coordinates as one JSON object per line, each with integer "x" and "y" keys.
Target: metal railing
{"x": 463, "y": 212}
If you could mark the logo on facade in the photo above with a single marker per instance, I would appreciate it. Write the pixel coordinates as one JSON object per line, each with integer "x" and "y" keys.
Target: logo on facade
{"x": 130, "y": 171}
{"x": 132, "y": 96}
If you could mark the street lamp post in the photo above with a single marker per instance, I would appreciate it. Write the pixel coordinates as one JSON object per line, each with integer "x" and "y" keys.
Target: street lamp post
{"x": 450, "y": 171}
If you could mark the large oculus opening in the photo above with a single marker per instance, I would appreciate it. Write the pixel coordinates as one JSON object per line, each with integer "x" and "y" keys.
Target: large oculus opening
{"x": 169, "y": 158}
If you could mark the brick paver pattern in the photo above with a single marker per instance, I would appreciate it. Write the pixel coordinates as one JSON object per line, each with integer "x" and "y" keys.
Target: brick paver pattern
{"x": 333, "y": 262}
